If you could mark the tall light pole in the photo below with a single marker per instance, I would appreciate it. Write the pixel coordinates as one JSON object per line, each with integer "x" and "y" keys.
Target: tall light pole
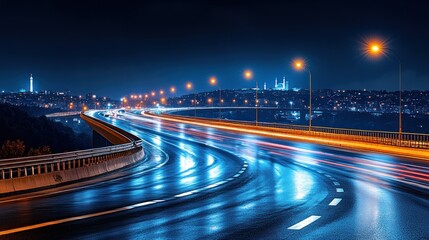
{"x": 173, "y": 91}
{"x": 248, "y": 74}
{"x": 213, "y": 81}
{"x": 376, "y": 48}
{"x": 189, "y": 86}
{"x": 300, "y": 65}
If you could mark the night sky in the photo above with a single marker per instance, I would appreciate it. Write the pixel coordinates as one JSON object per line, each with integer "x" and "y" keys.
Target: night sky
{"x": 115, "y": 48}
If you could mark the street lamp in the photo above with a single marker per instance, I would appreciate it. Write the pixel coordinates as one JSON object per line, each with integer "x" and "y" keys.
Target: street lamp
{"x": 375, "y": 48}
{"x": 213, "y": 81}
{"x": 189, "y": 86}
{"x": 173, "y": 91}
{"x": 300, "y": 65}
{"x": 248, "y": 74}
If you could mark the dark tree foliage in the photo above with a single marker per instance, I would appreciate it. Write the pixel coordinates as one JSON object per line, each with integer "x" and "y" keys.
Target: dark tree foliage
{"x": 39, "y": 151}
{"x": 12, "y": 149}
{"x": 37, "y": 132}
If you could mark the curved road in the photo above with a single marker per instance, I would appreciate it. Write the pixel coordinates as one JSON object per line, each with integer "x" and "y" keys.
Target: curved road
{"x": 204, "y": 183}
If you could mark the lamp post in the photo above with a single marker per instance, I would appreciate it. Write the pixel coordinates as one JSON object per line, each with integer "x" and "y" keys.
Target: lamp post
{"x": 376, "y": 48}
{"x": 213, "y": 81}
{"x": 189, "y": 86}
{"x": 173, "y": 91}
{"x": 300, "y": 65}
{"x": 248, "y": 74}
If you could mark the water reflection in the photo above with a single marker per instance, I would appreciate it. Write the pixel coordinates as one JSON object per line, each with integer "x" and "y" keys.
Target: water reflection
{"x": 303, "y": 183}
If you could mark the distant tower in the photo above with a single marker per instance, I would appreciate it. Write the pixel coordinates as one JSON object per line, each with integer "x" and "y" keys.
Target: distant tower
{"x": 31, "y": 82}
{"x": 284, "y": 83}
{"x": 287, "y": 85}
{"x": 275, "y": 83}
{"x": 265, "y": 85}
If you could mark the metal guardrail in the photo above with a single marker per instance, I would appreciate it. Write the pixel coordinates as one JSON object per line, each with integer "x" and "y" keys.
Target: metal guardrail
{"x": 410, "y": 140}
{"x": 25, "y": 166}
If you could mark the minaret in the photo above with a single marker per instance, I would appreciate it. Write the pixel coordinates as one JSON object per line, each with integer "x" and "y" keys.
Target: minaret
{"x": 275, "y": 84}
{"x": 287, "y": 85}
{"x": 265, "y": 85}
{"x": 284, "y": 83}
{"x": 31, "y": 82}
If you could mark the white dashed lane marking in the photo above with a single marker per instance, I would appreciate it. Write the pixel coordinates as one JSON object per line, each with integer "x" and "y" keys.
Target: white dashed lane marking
{"x": 340, "y": 190}
{"x": 304, "y": 223}
{"x": 336, "y": 183}
{"x": 335, "y": 201}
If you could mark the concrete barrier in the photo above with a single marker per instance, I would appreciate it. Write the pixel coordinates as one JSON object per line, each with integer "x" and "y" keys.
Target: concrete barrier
{"x": 60, "y": 177}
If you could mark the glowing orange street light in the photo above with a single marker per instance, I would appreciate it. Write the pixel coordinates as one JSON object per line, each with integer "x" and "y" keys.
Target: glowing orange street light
{"x": 189, "y": 86}
{"x": 153, "y": 94}
{"x": 213, "y": 81}
{"x": 375, "y": 48}
{"x": 172, "y": 89}
{"x": 248, "y": 74}
{"x": 300, "y": 65}
{"x": 161, "y": 92}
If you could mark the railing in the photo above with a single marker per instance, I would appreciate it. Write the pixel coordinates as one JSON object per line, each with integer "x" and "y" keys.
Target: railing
{"x": 25, "y": 166}
{"x": 411, "y": 140}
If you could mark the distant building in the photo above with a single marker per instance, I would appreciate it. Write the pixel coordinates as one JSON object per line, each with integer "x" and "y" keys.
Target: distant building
{"x": 284, "y": 86}
{"x": 31, "y": 82}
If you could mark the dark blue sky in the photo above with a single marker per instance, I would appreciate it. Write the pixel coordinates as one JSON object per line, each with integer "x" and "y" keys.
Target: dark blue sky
{"x": 115, "y": 48}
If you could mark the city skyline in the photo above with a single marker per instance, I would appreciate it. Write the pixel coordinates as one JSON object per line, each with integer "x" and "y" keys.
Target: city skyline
{"x": 115, "y": 48}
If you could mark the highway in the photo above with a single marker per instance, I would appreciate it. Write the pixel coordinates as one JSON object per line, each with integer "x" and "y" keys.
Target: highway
{"x": 203, "y": 183}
